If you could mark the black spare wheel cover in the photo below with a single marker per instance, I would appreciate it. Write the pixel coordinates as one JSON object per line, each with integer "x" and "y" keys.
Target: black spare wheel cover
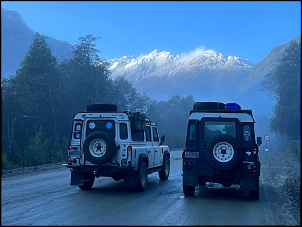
{"x": 223, "y": 152}
{"x": 101, "y": 107}
{"x": 208, "y": 105}
{"x": 99, "y": 148}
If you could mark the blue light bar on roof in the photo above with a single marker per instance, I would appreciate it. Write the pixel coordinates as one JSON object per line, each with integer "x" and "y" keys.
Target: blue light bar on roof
{"x": 232, "y": 106}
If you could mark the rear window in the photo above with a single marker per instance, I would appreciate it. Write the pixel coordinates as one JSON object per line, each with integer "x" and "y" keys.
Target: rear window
{"x": 215, "y": 128}
{"x": 107, "y": 126}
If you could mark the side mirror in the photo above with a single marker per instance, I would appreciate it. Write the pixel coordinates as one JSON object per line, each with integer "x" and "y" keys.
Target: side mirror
{"x": 162, "y": 139}
{"x": 259, "y": 141}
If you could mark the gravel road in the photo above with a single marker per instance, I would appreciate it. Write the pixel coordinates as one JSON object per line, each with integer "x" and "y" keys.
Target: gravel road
{"x": 280, "y": 174}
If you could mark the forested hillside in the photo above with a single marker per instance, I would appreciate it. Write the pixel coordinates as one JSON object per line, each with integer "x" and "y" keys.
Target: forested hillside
{"x": 284, "y": 83}
{"x": 39, "y": 101}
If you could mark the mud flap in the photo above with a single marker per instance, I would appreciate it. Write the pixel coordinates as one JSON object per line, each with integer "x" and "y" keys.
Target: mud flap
{"x": 130, "y": 180}
{"x": 249, "y": 184}
{"x": 77, "y": 178}
{"x": 190, "y": 180}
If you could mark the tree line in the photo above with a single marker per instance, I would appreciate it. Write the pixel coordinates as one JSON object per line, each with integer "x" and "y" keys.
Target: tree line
{"x": 284, "y": 84}
{"x": 39, "y": 101}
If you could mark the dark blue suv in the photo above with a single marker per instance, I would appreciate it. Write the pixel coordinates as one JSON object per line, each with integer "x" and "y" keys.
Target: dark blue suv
{"x": 221, "y": 148}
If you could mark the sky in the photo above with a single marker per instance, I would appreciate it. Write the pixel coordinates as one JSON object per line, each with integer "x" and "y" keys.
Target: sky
{"x": 246, "y": 29}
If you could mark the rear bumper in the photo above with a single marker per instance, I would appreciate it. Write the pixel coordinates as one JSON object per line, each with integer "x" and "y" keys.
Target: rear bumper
{"x": 107, "y": 171}
{"x": 246, "y": 180}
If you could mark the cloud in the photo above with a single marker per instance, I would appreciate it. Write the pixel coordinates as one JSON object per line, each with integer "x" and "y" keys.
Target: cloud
{"x": 200, "y": 51}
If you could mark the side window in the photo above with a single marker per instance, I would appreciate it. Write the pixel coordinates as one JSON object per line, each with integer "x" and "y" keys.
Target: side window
{"x": 191, "y": 134}
{"x": 247, "y": 133}
{"x": 123, "y": 131}
{"x": 137, "y": 136}
{"x": 155, "y": 135}
{"x": 148, "y": 134}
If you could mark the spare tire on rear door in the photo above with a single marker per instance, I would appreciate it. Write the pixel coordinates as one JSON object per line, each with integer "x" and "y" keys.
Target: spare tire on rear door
{"x": 223, "y": 152}
{"x": 99, "y": 148}
{"x": 208, "y": 105}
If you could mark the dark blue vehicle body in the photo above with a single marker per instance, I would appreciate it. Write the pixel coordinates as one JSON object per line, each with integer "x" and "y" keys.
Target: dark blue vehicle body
{"x": 199, "y": 162}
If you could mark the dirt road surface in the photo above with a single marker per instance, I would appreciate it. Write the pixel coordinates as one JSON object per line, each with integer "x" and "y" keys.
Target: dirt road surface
{"x": 43, "y": 196}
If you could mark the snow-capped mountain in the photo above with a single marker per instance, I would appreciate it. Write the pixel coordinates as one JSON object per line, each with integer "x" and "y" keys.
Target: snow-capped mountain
{"x": 198, "y": 72}
{"x": 166, "y": 64}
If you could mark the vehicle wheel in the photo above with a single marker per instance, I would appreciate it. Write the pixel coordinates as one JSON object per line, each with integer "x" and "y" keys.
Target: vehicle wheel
{"x": 99, "y": 148}
{"x": 165, "y": 172}
{"x": 142, "y": 177}
{"x": 116, "y": 178}
{"x": 188, "y": 190}
{"x": 88, "y": 184}
{"x": 223, "y": 152}
{"x": 101, "y": 107}
{"x": 254, "y": 194}
{"x": 201, "y": 181}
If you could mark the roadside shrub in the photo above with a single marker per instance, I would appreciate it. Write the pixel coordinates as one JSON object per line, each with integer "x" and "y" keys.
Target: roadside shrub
{"x": 6, "y": 164}
{"x": 295, "y": 148}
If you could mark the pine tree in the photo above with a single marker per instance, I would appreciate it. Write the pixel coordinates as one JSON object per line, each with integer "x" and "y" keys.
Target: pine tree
{"x": 285, "y": 85}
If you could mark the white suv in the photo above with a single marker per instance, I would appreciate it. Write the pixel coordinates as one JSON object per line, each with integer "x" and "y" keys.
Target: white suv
{"x": 121, "y": 145}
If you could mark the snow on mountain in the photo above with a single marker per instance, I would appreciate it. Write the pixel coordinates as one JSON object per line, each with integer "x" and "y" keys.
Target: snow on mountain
{"x": 199, "y": 72}
{"x": 165, "y": 64}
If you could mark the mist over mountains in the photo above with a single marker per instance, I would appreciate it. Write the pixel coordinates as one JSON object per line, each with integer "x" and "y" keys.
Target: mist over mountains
{"x": 205, "y": 74}
{"x": 16, "y": 37}
{"x": 199, "y": 72}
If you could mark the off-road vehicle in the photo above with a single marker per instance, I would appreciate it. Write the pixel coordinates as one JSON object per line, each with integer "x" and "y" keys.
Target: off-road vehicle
{"x": 221, "y": 148}
{"x": 122, "y": 145}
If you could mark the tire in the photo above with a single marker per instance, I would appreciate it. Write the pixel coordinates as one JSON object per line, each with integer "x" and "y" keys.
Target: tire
{"x": 101, "y": 107}
{"x": 142, "y": 177}
{"x": 223, "y": 152}
{"x": 254, "y": 194}
{"x": 116, "y": 178}
{"x": 165, "y": 172}
{"x": 208, "y": 106}
{"x": 201, "y": 181}
{"x": 188, "y": 190}
{"x": 87, "y": 185}
{"x": 99, "y": 148}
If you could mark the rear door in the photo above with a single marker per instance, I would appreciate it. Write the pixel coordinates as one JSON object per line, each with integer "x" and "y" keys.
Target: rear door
{"x": 211, "y": 127}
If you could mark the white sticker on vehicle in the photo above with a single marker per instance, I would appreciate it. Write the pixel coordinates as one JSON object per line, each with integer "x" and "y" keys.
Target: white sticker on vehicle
{"x": 91, "y": 125}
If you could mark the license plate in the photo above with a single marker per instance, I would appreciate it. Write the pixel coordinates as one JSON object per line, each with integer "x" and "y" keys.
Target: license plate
{"x": 74, "y": 153}
{"x": 191, "y": 154}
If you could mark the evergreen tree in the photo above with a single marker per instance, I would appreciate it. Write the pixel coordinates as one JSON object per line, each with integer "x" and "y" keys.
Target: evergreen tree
{"x": 86, "y": 77}
{"x": 30, "y": 98}
{"x": 285, "y": 85}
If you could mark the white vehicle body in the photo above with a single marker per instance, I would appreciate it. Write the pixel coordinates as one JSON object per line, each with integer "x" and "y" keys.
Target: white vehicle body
{"x": 95, "y": 134}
